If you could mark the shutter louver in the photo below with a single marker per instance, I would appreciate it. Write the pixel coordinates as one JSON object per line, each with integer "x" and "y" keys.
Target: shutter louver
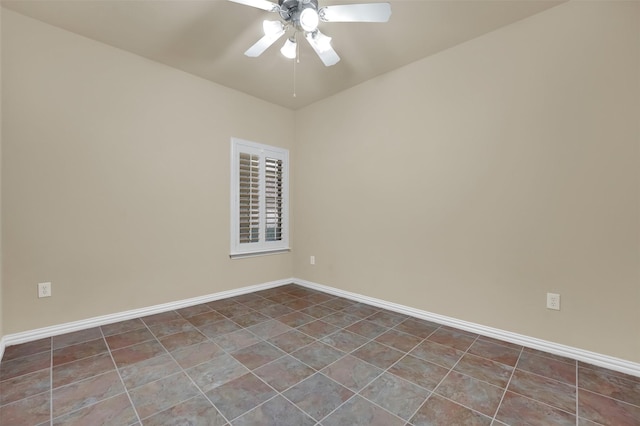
{"x": 249, "y": 191}
{"x": 273, "y": 199}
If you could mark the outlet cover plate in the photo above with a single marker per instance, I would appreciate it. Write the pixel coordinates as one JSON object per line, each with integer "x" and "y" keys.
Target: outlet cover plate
{"x": 553, "y": 301}
{"x": 44, "y": 289}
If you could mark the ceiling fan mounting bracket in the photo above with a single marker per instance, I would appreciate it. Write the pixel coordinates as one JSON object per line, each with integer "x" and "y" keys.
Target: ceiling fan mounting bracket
{"x": 290, "y": 10}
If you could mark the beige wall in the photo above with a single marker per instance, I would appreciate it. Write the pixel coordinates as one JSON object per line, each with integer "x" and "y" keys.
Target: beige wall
{"x": 115, "y": 179}
{"x": 1, "y": 309}
{"x": 472, "y": 182}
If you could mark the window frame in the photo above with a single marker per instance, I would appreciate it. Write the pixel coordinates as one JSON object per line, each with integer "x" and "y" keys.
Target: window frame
{"x": 262, "y": 246}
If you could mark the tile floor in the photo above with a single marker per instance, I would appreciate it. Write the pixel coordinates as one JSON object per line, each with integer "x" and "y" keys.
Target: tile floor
{"x": 294, "y": 356}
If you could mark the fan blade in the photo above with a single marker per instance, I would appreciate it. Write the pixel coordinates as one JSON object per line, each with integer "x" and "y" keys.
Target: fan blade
{"x": 367, "y": 12}
{"x": 263, "y": 44}
{"x": 322, "y": 45}
{"x": 260, "y": 4}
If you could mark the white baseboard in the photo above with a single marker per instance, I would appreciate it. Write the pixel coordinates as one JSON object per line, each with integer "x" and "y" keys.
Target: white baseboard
{"x": 55, "y": 330}
{"x": 601, "y": 360}
{"x": 593, "y": 358}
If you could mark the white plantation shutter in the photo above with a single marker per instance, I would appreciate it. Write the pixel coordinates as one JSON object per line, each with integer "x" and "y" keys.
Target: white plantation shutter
{"x": 259, "y": 198}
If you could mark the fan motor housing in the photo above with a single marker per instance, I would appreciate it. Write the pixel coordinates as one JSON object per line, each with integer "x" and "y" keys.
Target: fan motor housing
{"x": 290, "y": 10}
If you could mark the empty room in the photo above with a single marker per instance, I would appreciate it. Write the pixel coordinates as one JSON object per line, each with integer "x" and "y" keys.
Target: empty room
{"x": 319, "y": 212}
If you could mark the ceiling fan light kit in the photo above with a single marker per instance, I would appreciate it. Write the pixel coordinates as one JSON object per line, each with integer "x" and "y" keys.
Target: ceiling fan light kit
{"x": 304, "y": 16}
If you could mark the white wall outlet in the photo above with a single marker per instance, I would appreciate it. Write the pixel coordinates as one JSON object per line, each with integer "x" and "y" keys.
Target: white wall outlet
{"x": 553, "y": 301}
{"x": 44, "y": 289}
{"x": 312, "y": 260}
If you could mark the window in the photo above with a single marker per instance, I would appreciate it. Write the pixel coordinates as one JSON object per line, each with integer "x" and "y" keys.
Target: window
{"x": 259, "y": 198}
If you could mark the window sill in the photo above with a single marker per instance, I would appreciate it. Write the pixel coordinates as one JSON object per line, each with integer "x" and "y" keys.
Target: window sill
{"x": 258, "y": 253}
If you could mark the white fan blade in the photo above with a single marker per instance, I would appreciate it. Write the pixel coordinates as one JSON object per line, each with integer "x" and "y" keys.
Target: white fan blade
{"x": 260, "y": 4}
{"x": 325, "y": 52}
{"x": 366, "y": 12}
{"x": 263, "y": 44}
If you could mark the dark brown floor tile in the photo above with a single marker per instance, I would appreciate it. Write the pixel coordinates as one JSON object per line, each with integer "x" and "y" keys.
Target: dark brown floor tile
{"x": 222, "y": 303}
{"x": 274, "y": 311}
{"x": 180, "y": 340}
{"x": 297, "y": 304}
{"x": 275, "y": 412}
{"x": 79, "y": 351}
{"x": 361, "y": 311}
{"x": 196, "y": 411}
{"x": 418, "y": 371}
{"x": 396, "y": 395}
{"x": 244, "y": 298}
{"x": 439, "y": 411}
{"x": 550, "y": 355}
{"x": 116, "y": 410}
{"x": 122, "y": 326}
{"x": 318, "y": 311}
{"x": 260, "y": 304}
{"x": 416, "y": 327}
{"x": 338, "y": 303}
{"x": 445, "y": 356}
{"x": 318, "y": 395}
{"x": 319, "y": 298}
{"x": 86, "y": 392}
{"x": 291, "y": 341}
{"x": 318, "y": 355}
{"x": 609, "y": 384}
{"x": 456, "y": 339}
{"x": 219, "y": 328}
{"x": 34, "y": 410}
{"x": 233, "y": 310}
{"x": 295, "y": 319}
{"x": 24, "y": 349}
{"x": 232, "y": 342}
{"x": 128, "y": 338}
{"x": 472, "y": 393}
{"x": 377, "y": 354}
{"x": 360, "y": 412}
{"x": 76, "y": 337}
{"x": 284, "y": 372}
{"x": 317, "y": 329}
{"x": 518, "y": 410}
{"x": 216, "y": 372}
{"x": 136, "y": 353}
{"x": 501, "y": 343}
{"x": 205, "y": 318}
{"x": 341, "y": 319}
{"x": 543, "y": 389}
{"x": 238, "y": 396}
{"x": 24, "y": 386}
{"x": 345, "y": 341}
{"x": 607, "y": 411}
{"x": 256, "y": 355}
{"x": 495, "y": 352}
{"x": 162, "y": 394}
{"x": 301, "y": 292}
{"x": 352, "y": 372}
{"x": 268, "y": 329}
{"x": 197, "y": 354}
{"x": 149, "y": 370}
{"x": 82, "y": 369}
{"x": 250, "y": 319}
{"x": 387, "y": 318}
{"x": 398, "y": 340}
{"x": 24, "y": 365}
{"x": 484, "y": 369}
{"x": 608, "y": 372}
{"x": 161, "y": 317}
{"x": 367, "y": 329}
{"x": 548, "y": 367}
{"x": 191, "y": 311}
{"x": 282, "y": 298}
{"x": 171, "y": 327}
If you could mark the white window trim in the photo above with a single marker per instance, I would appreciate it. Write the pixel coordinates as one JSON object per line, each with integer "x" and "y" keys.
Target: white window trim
{"x": 262, "y": 247}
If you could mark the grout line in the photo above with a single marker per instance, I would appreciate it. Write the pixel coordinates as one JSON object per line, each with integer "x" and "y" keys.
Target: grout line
{"x": 507, "y": 386}
{"x": 115, "y": 366}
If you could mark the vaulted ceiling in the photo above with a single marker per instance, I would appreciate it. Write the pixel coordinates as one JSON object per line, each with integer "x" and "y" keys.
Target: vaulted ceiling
{"x": 207, "y": 38}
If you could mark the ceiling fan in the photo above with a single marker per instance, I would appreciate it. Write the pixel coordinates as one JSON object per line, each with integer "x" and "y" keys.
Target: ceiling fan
{"x": 304, "y": 16}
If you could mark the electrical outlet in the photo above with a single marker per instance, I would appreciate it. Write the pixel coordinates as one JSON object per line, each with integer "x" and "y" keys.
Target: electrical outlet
{"x": 312, "y": 260}
{"x": 44, "y": 289}
{"x": 553, "y": 301}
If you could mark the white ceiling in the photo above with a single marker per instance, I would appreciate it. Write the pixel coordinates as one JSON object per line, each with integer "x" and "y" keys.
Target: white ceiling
{"x": 207, "y": 38}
